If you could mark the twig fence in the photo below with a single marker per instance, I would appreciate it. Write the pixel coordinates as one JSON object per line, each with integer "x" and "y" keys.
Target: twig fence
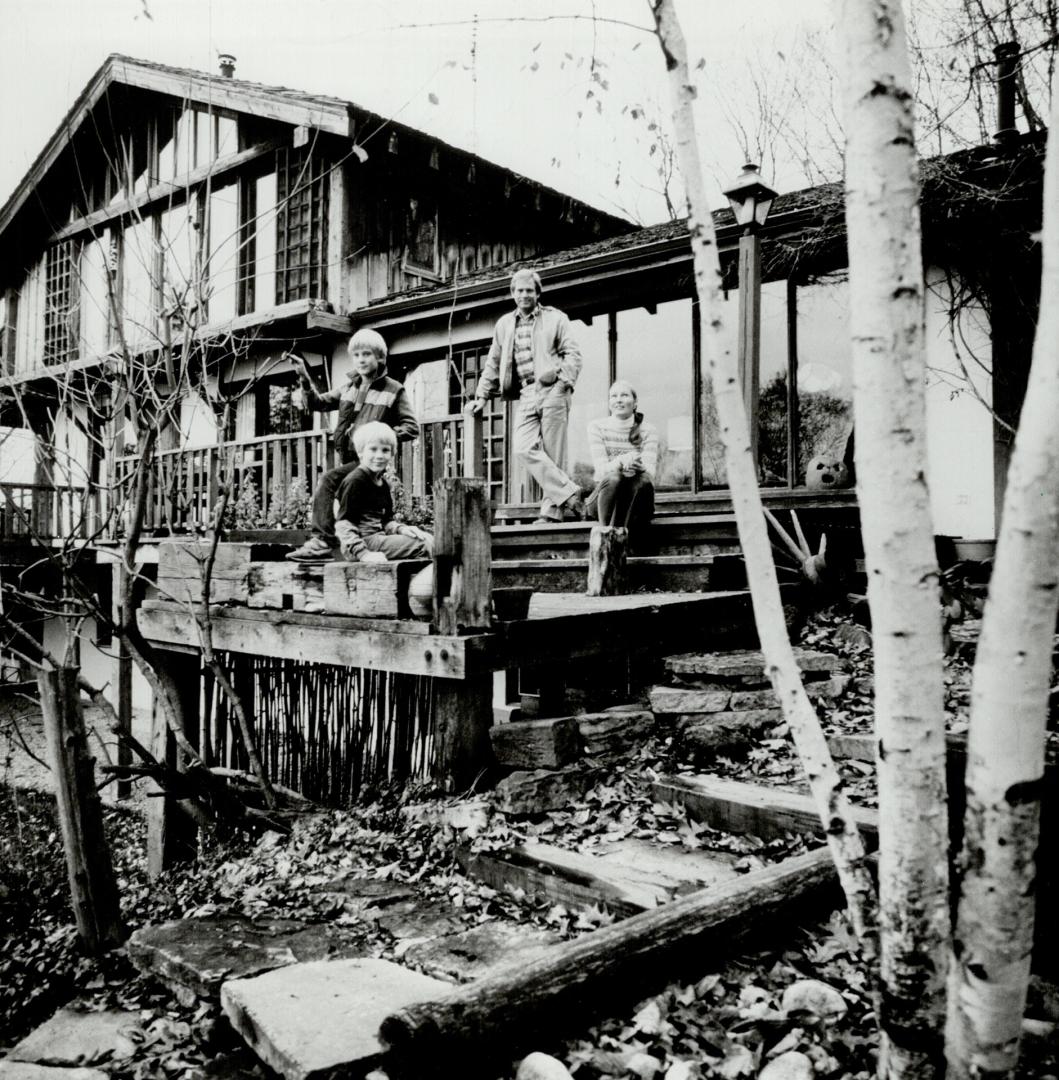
{"x": 324, "y": 730}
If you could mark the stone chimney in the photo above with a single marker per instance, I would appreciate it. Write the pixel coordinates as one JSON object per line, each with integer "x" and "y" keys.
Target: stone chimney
{"x": 227, "y": 62}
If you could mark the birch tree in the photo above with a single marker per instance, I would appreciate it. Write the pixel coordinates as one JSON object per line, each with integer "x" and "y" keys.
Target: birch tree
{"x": 1009, "y": 707}
{"x": 889, "y": 411}
{"x": 722, "y": 369}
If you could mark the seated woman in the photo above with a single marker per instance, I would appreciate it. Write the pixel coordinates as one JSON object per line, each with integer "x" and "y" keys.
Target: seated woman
{"x": 624, "y": 449}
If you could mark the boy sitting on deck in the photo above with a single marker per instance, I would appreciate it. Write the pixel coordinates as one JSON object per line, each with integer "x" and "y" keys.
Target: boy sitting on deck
{"x": 370, "y": 394}
{"x": 365, "y": 526}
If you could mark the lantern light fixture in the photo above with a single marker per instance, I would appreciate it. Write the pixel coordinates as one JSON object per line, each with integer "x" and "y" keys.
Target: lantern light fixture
{"x": 750, "y": 198}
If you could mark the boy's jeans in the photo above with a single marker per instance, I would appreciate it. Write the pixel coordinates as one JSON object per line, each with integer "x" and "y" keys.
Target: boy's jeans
{"x": 540, "y": 443}
{"x": 323, "y": 520}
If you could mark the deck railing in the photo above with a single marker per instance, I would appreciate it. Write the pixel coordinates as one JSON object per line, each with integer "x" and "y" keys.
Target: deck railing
{"x": 46, "y": 511}
{"x": 186, "y": 482}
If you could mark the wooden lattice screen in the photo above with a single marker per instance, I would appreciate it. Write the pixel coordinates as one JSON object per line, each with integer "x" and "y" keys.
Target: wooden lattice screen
{"x": 60, "y": 308}
{"x": 324, "y": 730}
{"x": 302, "y": 185}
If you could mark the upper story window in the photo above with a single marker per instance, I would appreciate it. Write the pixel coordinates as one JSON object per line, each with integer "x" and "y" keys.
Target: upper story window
{"x": 302, "y": 186}
{"x": 421, "y": 254}
{"x": 61, "y": 296}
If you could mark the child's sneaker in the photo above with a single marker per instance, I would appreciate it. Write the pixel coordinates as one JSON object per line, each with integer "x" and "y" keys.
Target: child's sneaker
{"x": 313, "y": 550}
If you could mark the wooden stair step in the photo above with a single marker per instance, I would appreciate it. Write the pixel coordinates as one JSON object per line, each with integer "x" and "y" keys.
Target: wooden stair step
{"x": 625, "y": 879}
{"x": 765, "y": 812}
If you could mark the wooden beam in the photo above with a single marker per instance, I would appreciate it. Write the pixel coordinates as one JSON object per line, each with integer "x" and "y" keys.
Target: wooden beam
{"x": 570, "y": 984}
{"x": 325, "y": 320}
{"x": 163, "y": 192}
{"x": 320, "y": 639}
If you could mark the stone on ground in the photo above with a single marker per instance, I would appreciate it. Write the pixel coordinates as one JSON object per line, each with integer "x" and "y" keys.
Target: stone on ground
{"x": 416, "y": 920}
{"x": 309, "y": 1020}
{"x": 467, "y": 955}
{"x": 199, "y": 954}
{"x": 536, "y": 744}
{"x": 607, "y": 734}
{"x": 538, "y": 1066}
{"x": 523, "y": 794}
{"x": 72, "y": 1037}
{"x": 27, "y": 1070}
{"x": 671, "y": 700}
{"x": 793, "y": 1065}
{"x": 814, "y": 997}
{"x": 701, "y": 737}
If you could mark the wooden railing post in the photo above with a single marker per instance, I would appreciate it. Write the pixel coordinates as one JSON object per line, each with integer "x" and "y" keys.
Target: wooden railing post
{"x": 474, "y": 445}
{"x": 462, "y": 580}
{"x": 462, "y": 556}
{"x": 607, "y": 550}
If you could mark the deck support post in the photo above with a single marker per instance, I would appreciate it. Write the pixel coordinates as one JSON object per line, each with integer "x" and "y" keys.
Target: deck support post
{"x": 172, "y": 836}
{"x": 607, "y": 551}
{"x": 462, "y": 556}
{"x": 463, "y": 714}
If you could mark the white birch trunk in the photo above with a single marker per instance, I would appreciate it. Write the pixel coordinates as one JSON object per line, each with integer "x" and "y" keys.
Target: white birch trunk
{"x": 843, "y": 837}
{"x": 1009, "y": 708}
{"x": 889, "y": 371}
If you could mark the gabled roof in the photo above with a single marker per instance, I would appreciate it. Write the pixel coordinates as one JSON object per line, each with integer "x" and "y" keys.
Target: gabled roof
{"x": 296, "y": 107}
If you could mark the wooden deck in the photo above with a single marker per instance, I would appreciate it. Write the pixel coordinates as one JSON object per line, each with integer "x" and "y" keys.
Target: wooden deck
{"x": 559, "y": 626}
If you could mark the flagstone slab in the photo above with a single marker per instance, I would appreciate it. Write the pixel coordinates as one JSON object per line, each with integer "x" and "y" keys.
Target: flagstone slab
{"x": 28, "y": 1070}
{"x": 73, "y": 1037}
{"x": 469, "y": 954}
{"x": 310, "y": 1021}
{"x": 200, "y": 954}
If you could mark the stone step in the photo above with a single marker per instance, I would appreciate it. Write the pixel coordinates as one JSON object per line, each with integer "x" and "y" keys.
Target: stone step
{"x": 317, "y": 1020}
{"x": 193, "y": 957}
{"x": 745, "y": 668}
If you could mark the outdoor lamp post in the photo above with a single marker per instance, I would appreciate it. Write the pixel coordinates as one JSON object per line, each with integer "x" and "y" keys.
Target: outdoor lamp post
{"x": 751, "y": 199}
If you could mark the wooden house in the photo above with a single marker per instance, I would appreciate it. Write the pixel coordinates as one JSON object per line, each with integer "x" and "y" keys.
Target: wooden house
{"x": 250, "y": 220}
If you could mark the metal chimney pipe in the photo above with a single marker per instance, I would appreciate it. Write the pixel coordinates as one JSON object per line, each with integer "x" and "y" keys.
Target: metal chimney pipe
{"x": 1007, "y": 66}
{"x": 227, "y": 62}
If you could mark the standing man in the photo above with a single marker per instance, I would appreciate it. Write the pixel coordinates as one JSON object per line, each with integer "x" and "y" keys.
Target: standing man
{"x": 535, "y": 361}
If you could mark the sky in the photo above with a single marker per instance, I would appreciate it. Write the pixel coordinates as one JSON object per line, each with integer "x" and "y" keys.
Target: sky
{"x": 569, "y": 92}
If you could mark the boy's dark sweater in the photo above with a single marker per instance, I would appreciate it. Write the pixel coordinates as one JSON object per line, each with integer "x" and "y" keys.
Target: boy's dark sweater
{"x": 366, "y": 504}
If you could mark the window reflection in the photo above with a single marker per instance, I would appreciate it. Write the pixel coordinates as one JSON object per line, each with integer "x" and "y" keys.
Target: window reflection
{"x": 825, "y": 388}
{"x": 655, "y": 355}
{"x": 590, "y": 395}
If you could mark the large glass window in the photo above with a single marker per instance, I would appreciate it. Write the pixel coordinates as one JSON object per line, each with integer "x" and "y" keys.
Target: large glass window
{"x": 655, "y": 354}
{"x": 139, "y": 278}
{"x": 95, "y": 300}
{"x": 825, "y": 388}
{"x": 264, "y": 243}
{"x": 773, "y": 411}
{"x": 590, "y": 395}
{"x": 772, "y": 405}
{"x": 223, "y": 269}
{"x": 181, "y": 263}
